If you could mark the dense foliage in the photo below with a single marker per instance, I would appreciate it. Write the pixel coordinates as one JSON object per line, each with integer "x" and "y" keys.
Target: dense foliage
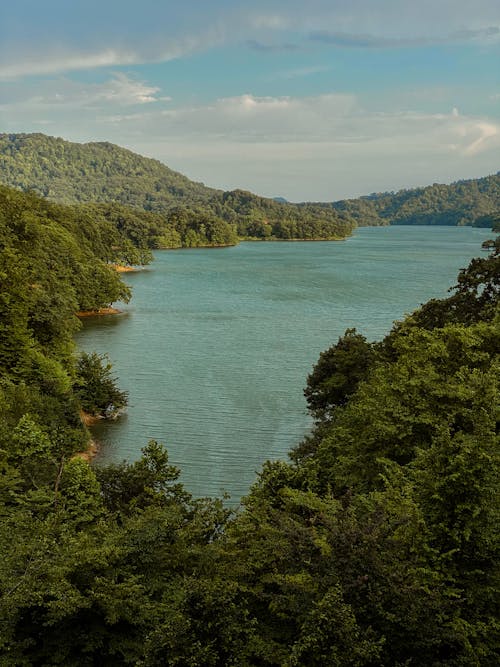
{"x": 96, "y": 388}
{"x": 472, "y": 202}
{"x": 261, "y": 218}
{"x": 187, "y": 214}
{"x": 376, "y": 544}
{"x": 54, "y": 261}
{"x": 70, "y": 172}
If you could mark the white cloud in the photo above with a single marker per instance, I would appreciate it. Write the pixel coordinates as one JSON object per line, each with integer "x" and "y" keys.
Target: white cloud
{"x": 318, "y": 148}
{"x": 322, "y": 147}
{"x": 250, "y": 118}
{"x": 336, "y": 118}
{"x": 60, "y": 62}
{"x": 124, "y": 90}
{"x": 39, "y": 59}
{"x": 486, "y": 136}
{"x": 63, "y": 94}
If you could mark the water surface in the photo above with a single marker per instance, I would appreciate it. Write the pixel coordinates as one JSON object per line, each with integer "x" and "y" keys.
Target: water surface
{"x": 216, "y": 345}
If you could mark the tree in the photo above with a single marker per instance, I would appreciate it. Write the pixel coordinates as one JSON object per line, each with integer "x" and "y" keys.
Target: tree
{"x": 337, "y": 374}
{"x": 96, "y": 388}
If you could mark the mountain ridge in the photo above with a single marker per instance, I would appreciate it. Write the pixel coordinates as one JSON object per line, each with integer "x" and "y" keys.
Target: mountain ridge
{"x": 102, "y": 172}
{"x": 474, "y": 201}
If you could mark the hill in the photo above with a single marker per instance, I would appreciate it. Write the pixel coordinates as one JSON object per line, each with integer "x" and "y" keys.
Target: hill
{"x": 70, "y": 173}
{"x": 471, "y": 202}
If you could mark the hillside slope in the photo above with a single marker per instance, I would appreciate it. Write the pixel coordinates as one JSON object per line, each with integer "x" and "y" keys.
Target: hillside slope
{"x": 69, "y": 172}
{"x": 471, "y": 202}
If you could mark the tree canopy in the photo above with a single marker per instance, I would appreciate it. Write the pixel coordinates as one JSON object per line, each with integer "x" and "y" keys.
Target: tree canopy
{"x": 377, "y": 543}
{"x": 168, "y": 209}
{"x": 468, "y": 202}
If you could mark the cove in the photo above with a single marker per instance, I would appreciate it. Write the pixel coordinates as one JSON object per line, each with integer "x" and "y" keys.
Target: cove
{"x": 216, "y": 345}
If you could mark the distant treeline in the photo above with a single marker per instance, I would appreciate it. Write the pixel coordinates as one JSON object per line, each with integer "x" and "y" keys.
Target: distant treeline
{"x": 377, "y": 543}
{"x": 188, "y": 214}
{"x": 472, "y": 202}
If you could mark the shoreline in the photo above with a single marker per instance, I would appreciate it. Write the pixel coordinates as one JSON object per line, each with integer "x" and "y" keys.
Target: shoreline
{"x": 93, "y": 446}
{"x": 315, "y": 240}
{"x": 88, "y": 419}
{"x": 122, "y": 268}
{"x": 100, "y": 311}
{"x": 251, "y": 240}
{"x": 89, "y": 454}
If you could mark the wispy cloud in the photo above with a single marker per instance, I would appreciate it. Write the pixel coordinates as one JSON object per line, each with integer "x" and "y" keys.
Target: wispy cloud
{"x": 334, "y": 118}
{"x": 61, "y": 62}
{"x": 61, "y": 95}
{"x": 300, "y": 72}
{"x": 317, "y": 147}
{"x": 322, "y": 147}
{"x": 347, "y": 40}
{"x": 481, "y": 34}
{"x": 486, "y": 135}
{"x": 124, "y": 90}
{"x": 256, "y": 45}
{"x": 158, "y": 32}
{"x": 367, "y": 41}
{"x": 46, "y": 60}
{"x": 269, "y": 20}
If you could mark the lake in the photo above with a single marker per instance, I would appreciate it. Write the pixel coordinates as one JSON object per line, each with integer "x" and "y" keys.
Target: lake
{"x": 216, "y": 345}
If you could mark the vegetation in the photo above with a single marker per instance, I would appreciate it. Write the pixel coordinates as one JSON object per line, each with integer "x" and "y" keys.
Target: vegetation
{"x": 54, "y": 261}
{"x": 472, "y": 202}
{"x": 170, "y": 211}
{"x": 96, "y": 388}
{"x": 166, "y": 210}
{"x": 376, "y": 544}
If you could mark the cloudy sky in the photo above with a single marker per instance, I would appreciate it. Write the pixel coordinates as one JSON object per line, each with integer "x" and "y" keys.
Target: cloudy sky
{"x": 315, "y": 100}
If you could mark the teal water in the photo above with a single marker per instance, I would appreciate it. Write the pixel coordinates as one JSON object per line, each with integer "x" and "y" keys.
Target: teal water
{"x": 216, "y": 345}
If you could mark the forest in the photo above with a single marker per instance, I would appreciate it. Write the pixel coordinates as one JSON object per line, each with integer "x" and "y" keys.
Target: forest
{"x": 376, "y": 543}
{"x": 472, "y": 202}
{"x": 180, "y": 212}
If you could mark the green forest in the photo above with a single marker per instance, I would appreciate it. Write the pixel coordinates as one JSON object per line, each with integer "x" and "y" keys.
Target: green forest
{"x": 376, "y": 543}
{"x": 473, "y": 202}
{"x": 177, "y": 211}
{"x": 182, "y": 213}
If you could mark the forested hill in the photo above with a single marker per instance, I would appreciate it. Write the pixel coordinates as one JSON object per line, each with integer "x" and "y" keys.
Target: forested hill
{"x": 473, "y": 202}
{"x": 71, "y": 173}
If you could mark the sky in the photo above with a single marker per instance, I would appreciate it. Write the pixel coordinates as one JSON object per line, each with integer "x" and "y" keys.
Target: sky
{"x": 311, "y": 101}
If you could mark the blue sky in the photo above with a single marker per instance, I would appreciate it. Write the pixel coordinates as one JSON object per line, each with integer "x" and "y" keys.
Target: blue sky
{"x": 310, "y": 101}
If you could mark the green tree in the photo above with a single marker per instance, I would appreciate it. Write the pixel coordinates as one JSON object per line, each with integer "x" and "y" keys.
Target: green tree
{"x": 96, "y": 388}
{"x": 336, "y": 375}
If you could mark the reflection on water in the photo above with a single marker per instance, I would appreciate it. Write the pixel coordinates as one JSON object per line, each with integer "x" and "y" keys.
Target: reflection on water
{"x": 216, "y": 345}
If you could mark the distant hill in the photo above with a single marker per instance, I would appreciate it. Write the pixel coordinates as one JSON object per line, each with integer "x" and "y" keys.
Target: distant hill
{"x": 103, "y": 173}
{"x": 70, "y": 172}
{"x": 472, "y": 202}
